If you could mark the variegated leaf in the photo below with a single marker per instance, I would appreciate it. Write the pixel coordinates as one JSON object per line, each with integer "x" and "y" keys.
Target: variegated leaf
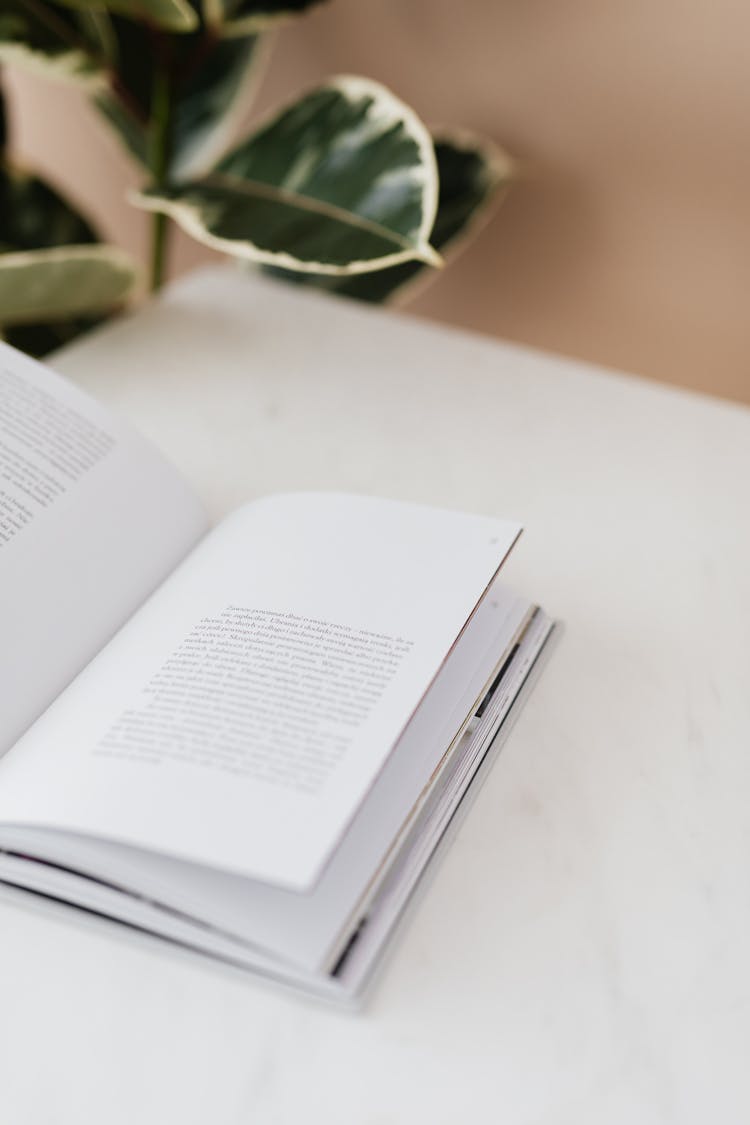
{"x": 66, "y": 281}
{"x": 248, "y": 17}
{"x": 473, "y": 174}
{"x": 50, "y": 40}
{"x": 34, "y": 216}
{"x": 207, "y": 88}
{"x": 342, "y": 182}
{"x": 171, "y": 15}
{"x": 54, "y": 278}
{"x": 42, "y": 337}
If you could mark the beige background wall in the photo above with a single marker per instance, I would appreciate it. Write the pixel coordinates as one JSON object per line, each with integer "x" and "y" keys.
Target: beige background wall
{"x": 627, "y": 239}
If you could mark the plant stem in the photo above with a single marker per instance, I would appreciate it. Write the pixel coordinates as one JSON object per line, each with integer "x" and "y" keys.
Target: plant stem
{"x": 161, "y": 140}
{"x": 159, "y": 234}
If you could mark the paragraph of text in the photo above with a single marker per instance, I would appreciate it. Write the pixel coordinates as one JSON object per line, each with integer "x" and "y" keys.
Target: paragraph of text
{"x": 45, "y": 447}
{"x": 271, "y": 696}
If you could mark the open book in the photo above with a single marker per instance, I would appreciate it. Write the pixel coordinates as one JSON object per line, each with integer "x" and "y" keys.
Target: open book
{"x": 248, "y": 740}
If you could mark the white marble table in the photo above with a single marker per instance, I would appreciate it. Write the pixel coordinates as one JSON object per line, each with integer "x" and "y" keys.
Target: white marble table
{"x": 583, "y": 954}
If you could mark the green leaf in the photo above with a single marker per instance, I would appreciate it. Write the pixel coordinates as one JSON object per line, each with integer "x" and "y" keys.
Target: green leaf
{"x": 51, "y": 268}
{"x": 206, "y": 101}
{"x": 210, "y": 81}
{"x": 171, "y": 15}
{"x": 131, "y": 131}
{"x": 34, "y": 216}
{"x": 66, "y": 281}
{"x": 472, "y": 175}
{"x": 40, "y": 339}
{"x": 243, "y": 17}
{"x": 343, "y": 181}
{"x": 58, "y": 43}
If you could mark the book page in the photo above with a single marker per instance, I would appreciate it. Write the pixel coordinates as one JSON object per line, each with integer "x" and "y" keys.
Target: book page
{"x": 240, "y": 718}
{"x": 303, "y": 928}
{"x": 91, "y": 519}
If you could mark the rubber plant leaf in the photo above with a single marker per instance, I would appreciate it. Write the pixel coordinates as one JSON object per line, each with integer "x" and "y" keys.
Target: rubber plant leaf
{"x": 342, "y": 181}
{"x": 168, "y": 15}
{"x": 207, "y": 90}
{"x": 474, "y": 176}
{"x": 40, "y": 285}
{"x": 243, "y": 17}
{"x": 53, "y": 41}
{"x": 52, "y": 269}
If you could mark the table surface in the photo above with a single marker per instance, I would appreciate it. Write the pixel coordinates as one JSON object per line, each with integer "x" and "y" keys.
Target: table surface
{"x": 582, "y": 953}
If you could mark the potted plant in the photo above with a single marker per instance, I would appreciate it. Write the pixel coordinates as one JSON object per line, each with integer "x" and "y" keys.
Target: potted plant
{"x": 344, "y": 187}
